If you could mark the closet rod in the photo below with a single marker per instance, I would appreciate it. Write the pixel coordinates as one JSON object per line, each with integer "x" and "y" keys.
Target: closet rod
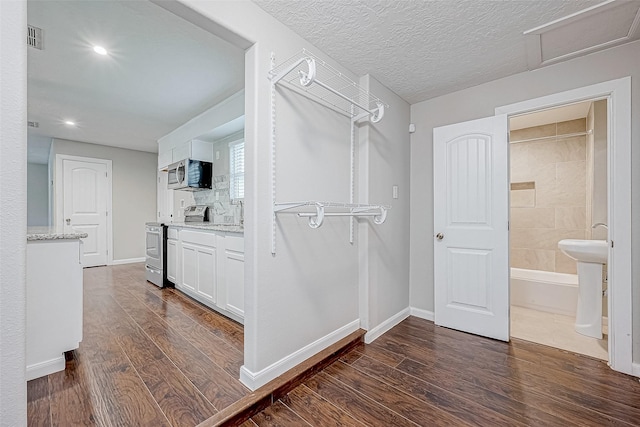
{"x": 346, "y": 98}
{"x": 542, "y": 138}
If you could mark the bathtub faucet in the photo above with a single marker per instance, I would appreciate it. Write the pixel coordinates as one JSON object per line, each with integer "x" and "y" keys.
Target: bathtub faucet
{"x": 600, "y": 224}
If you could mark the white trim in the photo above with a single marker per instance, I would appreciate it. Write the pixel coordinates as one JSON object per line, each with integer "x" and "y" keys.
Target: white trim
{"x": 534, "y": 41}
{"x": 45, "y": 368}
{"x": 423, "y": 314}
{"x": 127, "y": 261}
{"x": 59, "y": 189}
{"x": 254, "y": 380}
{"x": 385, "y": 326}
{"x": 618, "y": 94}
{"x": 635, "y": 369}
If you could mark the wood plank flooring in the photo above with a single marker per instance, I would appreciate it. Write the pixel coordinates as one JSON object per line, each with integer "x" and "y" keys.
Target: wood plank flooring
{"x": 149, "y": 357}
{"x": 418, "y": 374}
{"x": 153, "y": 357}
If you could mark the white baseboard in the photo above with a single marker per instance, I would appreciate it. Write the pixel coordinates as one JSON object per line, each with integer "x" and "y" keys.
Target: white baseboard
{"x": 127, "y": 261}
{"x": 383, "y": 327}
{"x": 423, "y": 314}
{"x": 47, "y": 367}
{"x": 635, "y": 369}
{"x": 254, "y": 380}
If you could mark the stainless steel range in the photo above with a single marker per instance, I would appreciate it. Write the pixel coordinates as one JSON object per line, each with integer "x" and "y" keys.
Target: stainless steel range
{"x": 155, "y": 266}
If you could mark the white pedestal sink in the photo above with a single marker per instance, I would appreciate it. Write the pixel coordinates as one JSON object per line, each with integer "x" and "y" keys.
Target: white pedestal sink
{"x": 590, "y": 256}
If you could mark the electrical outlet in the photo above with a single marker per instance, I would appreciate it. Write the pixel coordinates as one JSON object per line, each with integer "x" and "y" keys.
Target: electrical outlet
{"x": 217, "y": 155}
{"x": 182, "y": 203}
{"x": 395, "y": 191}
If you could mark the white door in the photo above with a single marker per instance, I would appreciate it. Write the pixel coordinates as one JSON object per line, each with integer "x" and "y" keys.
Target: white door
{"x": 84, "y": 203}
{"x": 471, "y": 213}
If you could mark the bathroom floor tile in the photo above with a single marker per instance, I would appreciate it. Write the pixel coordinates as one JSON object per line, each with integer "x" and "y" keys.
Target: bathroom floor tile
{"x": 554, "y": 330}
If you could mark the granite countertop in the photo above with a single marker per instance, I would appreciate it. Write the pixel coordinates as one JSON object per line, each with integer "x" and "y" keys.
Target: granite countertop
{"x": 52, "y": 233}
{"x": 209, "y": 226}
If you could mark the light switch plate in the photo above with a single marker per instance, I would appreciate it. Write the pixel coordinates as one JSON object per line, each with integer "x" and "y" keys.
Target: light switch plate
{"x": 395, "y": 191}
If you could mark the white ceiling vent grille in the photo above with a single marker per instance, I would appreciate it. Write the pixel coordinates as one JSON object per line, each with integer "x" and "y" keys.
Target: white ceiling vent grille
{"x": 599, "y": 27}
{"x": 34, "y": 37}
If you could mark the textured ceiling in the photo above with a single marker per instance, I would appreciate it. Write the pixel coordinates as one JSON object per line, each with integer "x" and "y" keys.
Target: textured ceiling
{"x": 422, "y": 49}
{"x": 161, "y": 72}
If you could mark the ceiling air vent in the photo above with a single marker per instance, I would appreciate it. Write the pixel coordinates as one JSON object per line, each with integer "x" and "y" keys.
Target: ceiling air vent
{"x": 33, "y": 124}
{"x": 34, "y": 37}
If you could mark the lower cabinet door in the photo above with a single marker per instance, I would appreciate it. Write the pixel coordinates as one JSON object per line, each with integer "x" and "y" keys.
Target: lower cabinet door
{"x": 199, "y": 271}
{"x": 207, "y": 273}
{"x": 189, "y": 255}
{"x": 234, "y": 281}
{"x": 172, "y": 261}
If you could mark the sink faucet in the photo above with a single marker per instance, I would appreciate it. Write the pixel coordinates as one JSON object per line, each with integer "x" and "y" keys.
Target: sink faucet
{"x": 600, "y": 224}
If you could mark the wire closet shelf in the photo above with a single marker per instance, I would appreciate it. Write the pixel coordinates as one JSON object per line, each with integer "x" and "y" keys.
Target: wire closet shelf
{"x": 312, "y": 77}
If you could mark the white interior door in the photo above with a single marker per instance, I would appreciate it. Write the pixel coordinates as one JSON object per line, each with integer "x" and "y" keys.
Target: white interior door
{"x": 471, "y": 213}
{"x": 85, "y": 206}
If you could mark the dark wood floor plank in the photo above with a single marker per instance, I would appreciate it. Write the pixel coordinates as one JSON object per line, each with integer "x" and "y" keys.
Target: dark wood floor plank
{"x": 223, "y": 353}
{"x": 356, "y": 405}
{"x": 38, "y": 402}
{"x": 278, "y": 415}
{"x": 217, "y": 385}
{"x": 317, "y": 411}
{"x": 179, "y": 399}
{"x": 74, "y": 400}
{"x": 420, "y": 412}
{"x": 120, "y": 376}
{"x": 571, "y": 388}
{"x": 442, "y": 396}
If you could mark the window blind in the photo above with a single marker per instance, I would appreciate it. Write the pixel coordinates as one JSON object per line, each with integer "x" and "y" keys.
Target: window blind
{"x": 236, "y": 170}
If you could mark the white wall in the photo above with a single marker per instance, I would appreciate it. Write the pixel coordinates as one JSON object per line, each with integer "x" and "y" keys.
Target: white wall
{"x": 13, "y": 221}
{"x": 306, "y": 296}
{"x": 384, "y": 162}
{"x": 133, "y": 188}
{"x": 37, "y": 194}
{"x": 480, "y": 101}
{"x": 216, "y": 116}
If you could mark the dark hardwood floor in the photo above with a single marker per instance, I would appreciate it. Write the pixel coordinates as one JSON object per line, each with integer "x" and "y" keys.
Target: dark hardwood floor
{"x": 154, "y": 357}
{"x": 149, "y": 357}
{"x": 420, "y": 374}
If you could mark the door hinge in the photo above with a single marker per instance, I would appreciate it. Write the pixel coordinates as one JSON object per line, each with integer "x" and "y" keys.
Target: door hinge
{"x": 106, "y": 174}
{"x": 508, "y": 225}
{"x": 612, "y": 243}
{"x": 106, "y": 213}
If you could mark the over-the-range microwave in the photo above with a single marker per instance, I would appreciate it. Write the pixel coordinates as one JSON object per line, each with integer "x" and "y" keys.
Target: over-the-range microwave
{"x": 190, "y": 175}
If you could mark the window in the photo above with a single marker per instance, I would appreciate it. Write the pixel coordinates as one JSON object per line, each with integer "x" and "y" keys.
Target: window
{"x": 236, "y": 170}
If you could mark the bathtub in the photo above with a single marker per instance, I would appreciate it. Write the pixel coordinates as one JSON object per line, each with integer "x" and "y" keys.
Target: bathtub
{"x": 544, "y": 291}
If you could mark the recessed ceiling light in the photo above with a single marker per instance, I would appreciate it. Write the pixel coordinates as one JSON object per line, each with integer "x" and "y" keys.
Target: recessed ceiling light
{"x": 69, "y": 122}
{"x": 100, "y": 50}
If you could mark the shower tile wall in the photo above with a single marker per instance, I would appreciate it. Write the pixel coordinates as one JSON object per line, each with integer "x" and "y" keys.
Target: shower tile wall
{"x": 548, "y": 196}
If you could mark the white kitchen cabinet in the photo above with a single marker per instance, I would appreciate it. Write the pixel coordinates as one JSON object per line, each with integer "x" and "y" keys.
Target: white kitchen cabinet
{"x": 53, "y": 304}
{"x": 173, "y": 262}
{"x": 199, "y": 272}
{"x": 165, "y": 158}
{"x": 209, "y": 267}
{"x": 233, "y": 272}
{"x": 194, "y": 149}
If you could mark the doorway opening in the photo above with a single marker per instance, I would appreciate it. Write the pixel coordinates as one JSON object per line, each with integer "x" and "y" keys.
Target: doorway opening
{"x": 558, "y": 192}
{"x": 619, "y": 289}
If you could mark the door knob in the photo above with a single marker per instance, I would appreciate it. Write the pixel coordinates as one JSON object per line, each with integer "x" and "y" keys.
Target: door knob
{"x": 68, "y": 221}
{"x": 439, "y": 236}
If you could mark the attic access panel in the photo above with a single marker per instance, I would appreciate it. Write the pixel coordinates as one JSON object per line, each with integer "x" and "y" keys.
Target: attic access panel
{"x": 599, "y": 27}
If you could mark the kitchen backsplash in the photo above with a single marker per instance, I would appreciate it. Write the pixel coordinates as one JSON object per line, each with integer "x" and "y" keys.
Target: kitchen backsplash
{"x": 221, "y": 209}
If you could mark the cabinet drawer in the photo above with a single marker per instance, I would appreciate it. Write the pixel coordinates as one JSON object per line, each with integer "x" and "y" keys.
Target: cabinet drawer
{"x": 172, "y": 233}
{"x": 198, "y": 237}
{"x": 234, "y": 242}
